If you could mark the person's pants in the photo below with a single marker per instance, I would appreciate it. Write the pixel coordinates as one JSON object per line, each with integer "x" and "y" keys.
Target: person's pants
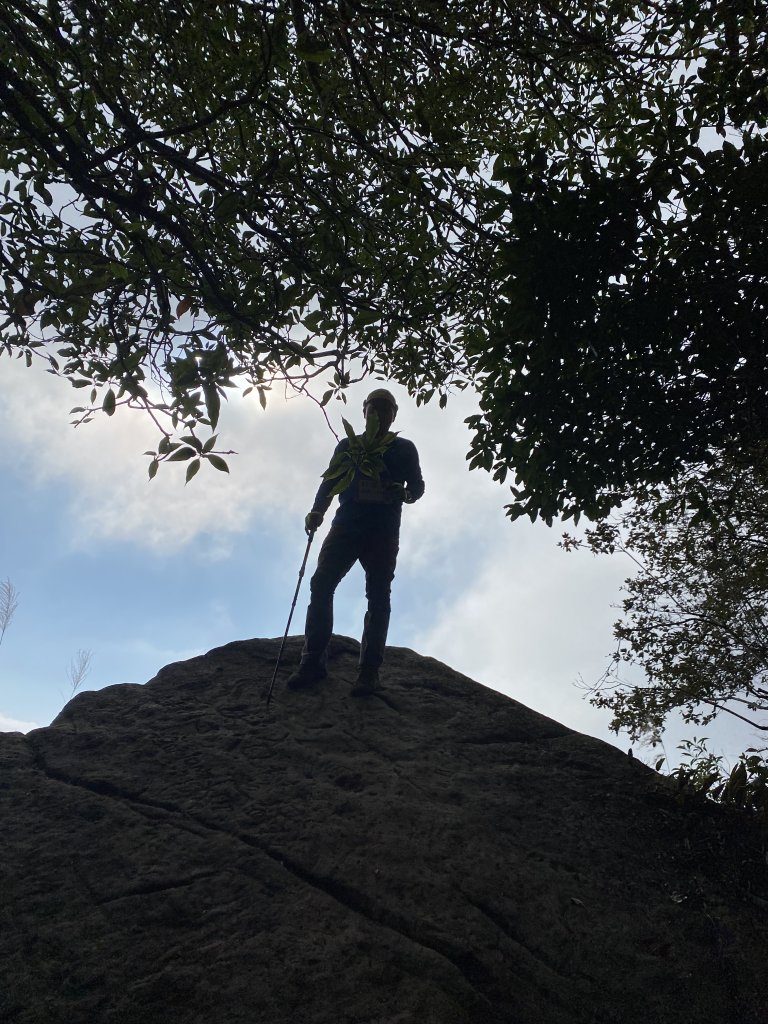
{"x": 376, "y": 550}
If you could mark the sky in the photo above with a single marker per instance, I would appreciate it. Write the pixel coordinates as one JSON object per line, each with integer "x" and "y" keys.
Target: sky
{"x": 144, "y": 573}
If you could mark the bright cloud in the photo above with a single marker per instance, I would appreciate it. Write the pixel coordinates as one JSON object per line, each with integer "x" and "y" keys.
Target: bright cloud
{"x": 281, "y": 453}
{"x": 530, "y": 621}
{"x": 9, "y": 724}
{"x": 280, "y": 450}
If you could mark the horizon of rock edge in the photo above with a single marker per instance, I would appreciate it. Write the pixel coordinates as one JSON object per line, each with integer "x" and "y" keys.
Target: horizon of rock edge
{"x": 178, "y": 852}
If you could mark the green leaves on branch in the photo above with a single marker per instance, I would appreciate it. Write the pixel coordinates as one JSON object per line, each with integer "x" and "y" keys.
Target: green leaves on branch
{"x": 189, "y": 450}
{"x": 703, "y": 773}
{"x": 364, "y": 454}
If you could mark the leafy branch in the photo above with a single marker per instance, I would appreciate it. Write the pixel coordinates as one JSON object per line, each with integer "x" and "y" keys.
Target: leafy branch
{"x": 364, "y": 454}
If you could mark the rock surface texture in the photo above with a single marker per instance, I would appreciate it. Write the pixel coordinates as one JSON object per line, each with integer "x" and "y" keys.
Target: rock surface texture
{"x": 180, "y": 853}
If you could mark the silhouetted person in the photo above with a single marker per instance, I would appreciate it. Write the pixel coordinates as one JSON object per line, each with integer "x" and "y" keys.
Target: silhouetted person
{"x": 366, "y": 528}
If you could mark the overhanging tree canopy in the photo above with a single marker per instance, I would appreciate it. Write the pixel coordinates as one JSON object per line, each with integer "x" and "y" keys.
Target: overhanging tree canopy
{"x": 516, "y": 195}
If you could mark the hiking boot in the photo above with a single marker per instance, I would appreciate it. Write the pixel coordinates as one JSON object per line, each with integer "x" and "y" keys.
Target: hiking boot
{"x": 367, "y": 681}
{"x": 309, "y": 672}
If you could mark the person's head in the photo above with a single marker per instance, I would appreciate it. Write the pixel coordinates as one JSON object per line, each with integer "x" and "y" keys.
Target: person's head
{"x": 383, "y": 404}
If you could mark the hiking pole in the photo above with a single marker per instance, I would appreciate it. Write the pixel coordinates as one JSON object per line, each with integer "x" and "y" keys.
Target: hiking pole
{"x": 295, "y": 598}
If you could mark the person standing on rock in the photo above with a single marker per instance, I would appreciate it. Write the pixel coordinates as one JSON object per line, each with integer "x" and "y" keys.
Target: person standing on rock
{"x": 374, "y": 474}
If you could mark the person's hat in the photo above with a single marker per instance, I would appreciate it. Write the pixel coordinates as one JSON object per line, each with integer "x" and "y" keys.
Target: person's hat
{"x": 381, "y": 394}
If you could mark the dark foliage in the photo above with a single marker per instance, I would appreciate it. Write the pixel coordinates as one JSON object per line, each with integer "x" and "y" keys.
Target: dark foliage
{"x": 559, "y": 204}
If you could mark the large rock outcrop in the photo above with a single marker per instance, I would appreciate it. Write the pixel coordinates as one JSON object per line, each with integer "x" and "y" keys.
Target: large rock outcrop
{"x": 180, "y": 853}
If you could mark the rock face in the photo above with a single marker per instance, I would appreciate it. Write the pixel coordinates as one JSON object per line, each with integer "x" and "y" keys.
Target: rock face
{"x": 180, "y": 853}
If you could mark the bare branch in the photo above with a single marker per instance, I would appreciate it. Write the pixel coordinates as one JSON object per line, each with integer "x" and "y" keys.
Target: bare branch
{"x": 9, "y": 602}
{"x": 78, "y": 669}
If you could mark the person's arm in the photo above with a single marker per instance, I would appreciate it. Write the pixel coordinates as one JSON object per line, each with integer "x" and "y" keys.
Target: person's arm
{"x": 323, "y": 498}
{"x": 414, "y": 481}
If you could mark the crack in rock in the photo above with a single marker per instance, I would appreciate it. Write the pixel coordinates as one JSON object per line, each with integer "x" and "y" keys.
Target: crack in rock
{"x": 150, "y": 888}
{"x": 472, "y": 970}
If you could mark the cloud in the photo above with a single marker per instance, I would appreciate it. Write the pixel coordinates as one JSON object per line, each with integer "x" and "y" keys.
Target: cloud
{"x": 8, "y": 724}
{"x": 530, "y": 621}
{"x": 281, "y": 454}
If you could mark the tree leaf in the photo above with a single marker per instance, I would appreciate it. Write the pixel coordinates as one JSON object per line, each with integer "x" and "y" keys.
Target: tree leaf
{"x": 343, "y": 483}
{"x": 312, "y": 321}
{"x": 349, "y": 430}
{"x": 182, "y": 455}
{"x": 108, "y": 405}
{"x": 212, "y": 404}
{"x": 371, "y": 426}
{"x": 366, "y": 317}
